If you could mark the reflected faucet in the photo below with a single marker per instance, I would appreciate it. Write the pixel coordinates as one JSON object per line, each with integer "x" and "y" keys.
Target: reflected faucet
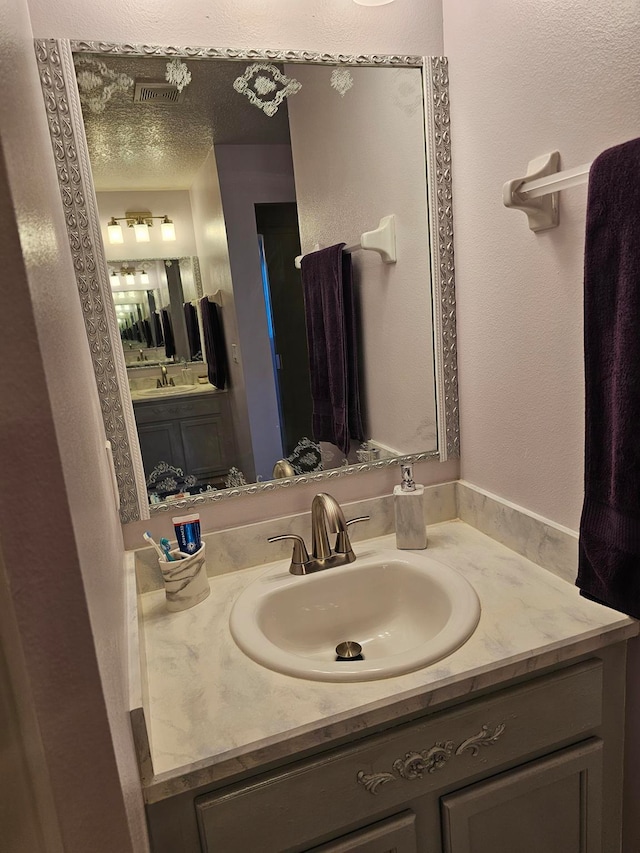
{"x": 326, "y": 517}
{"x": 164, "y": 381}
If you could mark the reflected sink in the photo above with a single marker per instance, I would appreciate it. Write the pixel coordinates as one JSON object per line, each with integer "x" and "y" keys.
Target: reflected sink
{"x": 406, "y": 610}
{"x": 166, "y": 390}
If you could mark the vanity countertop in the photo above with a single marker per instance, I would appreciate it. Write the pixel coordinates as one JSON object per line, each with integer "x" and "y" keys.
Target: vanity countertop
{"x": 173, "y": 392}
{"x": 213, "y": 713}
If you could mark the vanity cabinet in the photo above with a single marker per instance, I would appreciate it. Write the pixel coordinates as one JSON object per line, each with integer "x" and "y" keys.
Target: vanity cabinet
{"x": 518, "y": 770}
{"x": 193, "y": 433}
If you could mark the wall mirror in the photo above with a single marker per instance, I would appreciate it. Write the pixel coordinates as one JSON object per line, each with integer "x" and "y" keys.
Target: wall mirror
{"x": 192, "y": 179}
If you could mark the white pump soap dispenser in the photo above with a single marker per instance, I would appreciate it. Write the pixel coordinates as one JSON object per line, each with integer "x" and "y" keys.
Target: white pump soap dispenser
{"x": 408, "y": 505}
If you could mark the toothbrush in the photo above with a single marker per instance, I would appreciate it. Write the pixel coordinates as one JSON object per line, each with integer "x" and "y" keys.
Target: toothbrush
{"x": 147, "y": 536}
{"x": 166, "y": 549}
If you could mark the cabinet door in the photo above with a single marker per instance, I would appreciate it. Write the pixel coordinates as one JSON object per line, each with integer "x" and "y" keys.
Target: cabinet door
{"x": 160, "y": 442}
{"x": 204, "y": 446}
{"x": 549, "y": 806}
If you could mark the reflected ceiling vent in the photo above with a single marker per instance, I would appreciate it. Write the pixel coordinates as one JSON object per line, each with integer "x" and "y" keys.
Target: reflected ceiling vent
{"x": 157, "y": 93}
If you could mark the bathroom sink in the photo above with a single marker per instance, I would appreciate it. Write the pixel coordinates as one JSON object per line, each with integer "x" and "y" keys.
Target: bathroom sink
{"x": 405, "y": 610}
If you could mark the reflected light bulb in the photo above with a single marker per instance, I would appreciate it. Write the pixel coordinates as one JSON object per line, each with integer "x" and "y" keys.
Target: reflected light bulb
{"x": 141, "y": 230}
{"x": 114, "y": 232}
{"x": 168, "y": 229}
{"x": 129, "y": 279}
{"x": 144, "y": 278}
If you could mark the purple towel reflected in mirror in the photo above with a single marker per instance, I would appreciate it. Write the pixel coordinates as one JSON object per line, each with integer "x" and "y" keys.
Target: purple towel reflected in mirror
{"x": 157, "y": 329}
{"x": 193, "y": 331}
{"x": 146, "y": 329}
{"x": 215, "y": 353}
{"x": 167, "y": 331}
{"x": 327, "y": 280}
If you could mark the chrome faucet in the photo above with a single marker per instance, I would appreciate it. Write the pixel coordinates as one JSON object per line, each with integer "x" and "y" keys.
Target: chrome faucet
{"x": 164, "y": 381}
{"x": 326, "y": 517}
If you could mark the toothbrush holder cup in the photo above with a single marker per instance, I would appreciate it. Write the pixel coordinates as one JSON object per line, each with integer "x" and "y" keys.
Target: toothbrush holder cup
{"x": 185, "y": 579}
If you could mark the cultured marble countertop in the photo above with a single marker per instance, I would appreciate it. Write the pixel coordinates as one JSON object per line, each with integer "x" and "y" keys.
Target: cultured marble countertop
{"x": 213, "y": 712}
{"x": 172, "y": 392}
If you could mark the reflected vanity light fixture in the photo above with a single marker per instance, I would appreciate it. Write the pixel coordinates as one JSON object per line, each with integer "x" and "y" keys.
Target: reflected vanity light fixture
{"x": 141, "y": 222}
{"x": 126, "y": 275}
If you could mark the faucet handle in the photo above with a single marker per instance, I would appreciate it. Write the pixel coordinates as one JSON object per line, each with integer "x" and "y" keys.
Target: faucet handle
{"x": 343, "y": 544}
{"x": 300, "y": 557}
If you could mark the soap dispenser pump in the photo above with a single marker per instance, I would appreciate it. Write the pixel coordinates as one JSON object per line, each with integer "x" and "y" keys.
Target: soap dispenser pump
{"x": 408, "y": 505}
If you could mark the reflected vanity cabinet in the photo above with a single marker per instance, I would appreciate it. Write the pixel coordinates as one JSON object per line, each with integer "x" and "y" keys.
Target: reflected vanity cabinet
{"x": 193, "y": 433}
{"x": 535, "y": 767}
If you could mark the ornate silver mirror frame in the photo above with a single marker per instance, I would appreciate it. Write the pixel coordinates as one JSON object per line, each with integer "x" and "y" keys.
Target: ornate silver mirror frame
{"x": 62, "y": 103}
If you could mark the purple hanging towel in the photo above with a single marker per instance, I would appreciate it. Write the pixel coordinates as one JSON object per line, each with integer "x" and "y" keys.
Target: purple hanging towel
{"x": 327, "y": 280}
{"x": 609, "y": 552}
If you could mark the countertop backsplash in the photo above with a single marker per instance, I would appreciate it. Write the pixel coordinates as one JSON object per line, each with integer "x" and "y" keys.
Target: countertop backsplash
{"x": 551, "y": 546}
{"x": 241, "y": 547}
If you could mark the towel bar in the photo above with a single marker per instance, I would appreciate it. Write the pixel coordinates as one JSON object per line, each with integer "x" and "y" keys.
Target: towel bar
{"x": 536, "y": 194}
{"x": 381, "y": 240}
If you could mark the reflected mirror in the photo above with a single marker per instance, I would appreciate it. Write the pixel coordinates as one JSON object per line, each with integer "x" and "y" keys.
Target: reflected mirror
{"x": 212, "y": 176}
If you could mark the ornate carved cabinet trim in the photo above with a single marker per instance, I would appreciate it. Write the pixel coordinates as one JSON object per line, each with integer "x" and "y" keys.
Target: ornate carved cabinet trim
{"x": 415, "y": 764}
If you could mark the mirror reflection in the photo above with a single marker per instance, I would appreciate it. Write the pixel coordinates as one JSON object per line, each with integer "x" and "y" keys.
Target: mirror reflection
{"x": 211, "y": 177}
{"x": 142, "y": 293}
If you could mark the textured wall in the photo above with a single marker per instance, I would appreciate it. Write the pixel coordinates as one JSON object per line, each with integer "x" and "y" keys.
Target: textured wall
{"x": 250, "y": 175}
{"x": 27, "y": 812}
{"x": 408, "y": 26}
{"x": 215, "y": 268}
{"x": 526, "y": 79}
{"x": 63, "y": 549}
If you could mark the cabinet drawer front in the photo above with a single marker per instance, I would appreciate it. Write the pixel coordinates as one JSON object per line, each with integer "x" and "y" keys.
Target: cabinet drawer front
{"x": 354, "y": 784}
{"x": 394, "y": 835}
{"x": 171, "y": 409}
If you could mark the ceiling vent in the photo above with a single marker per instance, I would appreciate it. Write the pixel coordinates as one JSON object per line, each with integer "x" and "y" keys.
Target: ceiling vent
{"x": 157, "y": 93}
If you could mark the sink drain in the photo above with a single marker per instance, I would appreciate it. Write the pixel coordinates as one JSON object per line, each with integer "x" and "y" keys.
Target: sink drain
{"x": 349, "y": 650}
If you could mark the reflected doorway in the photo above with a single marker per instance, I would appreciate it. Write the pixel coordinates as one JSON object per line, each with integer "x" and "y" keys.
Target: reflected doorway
{"x": 277, "y": 225}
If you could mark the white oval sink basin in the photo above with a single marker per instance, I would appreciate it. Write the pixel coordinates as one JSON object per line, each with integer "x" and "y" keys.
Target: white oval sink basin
{"x": 406, "y": 610}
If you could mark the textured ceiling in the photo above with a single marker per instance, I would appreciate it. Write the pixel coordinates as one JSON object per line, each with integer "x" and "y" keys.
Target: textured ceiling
{"x": 156, "y": 146}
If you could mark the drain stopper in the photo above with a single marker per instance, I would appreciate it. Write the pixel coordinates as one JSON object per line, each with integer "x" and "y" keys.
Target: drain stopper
{"x": 349, "y": 650}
